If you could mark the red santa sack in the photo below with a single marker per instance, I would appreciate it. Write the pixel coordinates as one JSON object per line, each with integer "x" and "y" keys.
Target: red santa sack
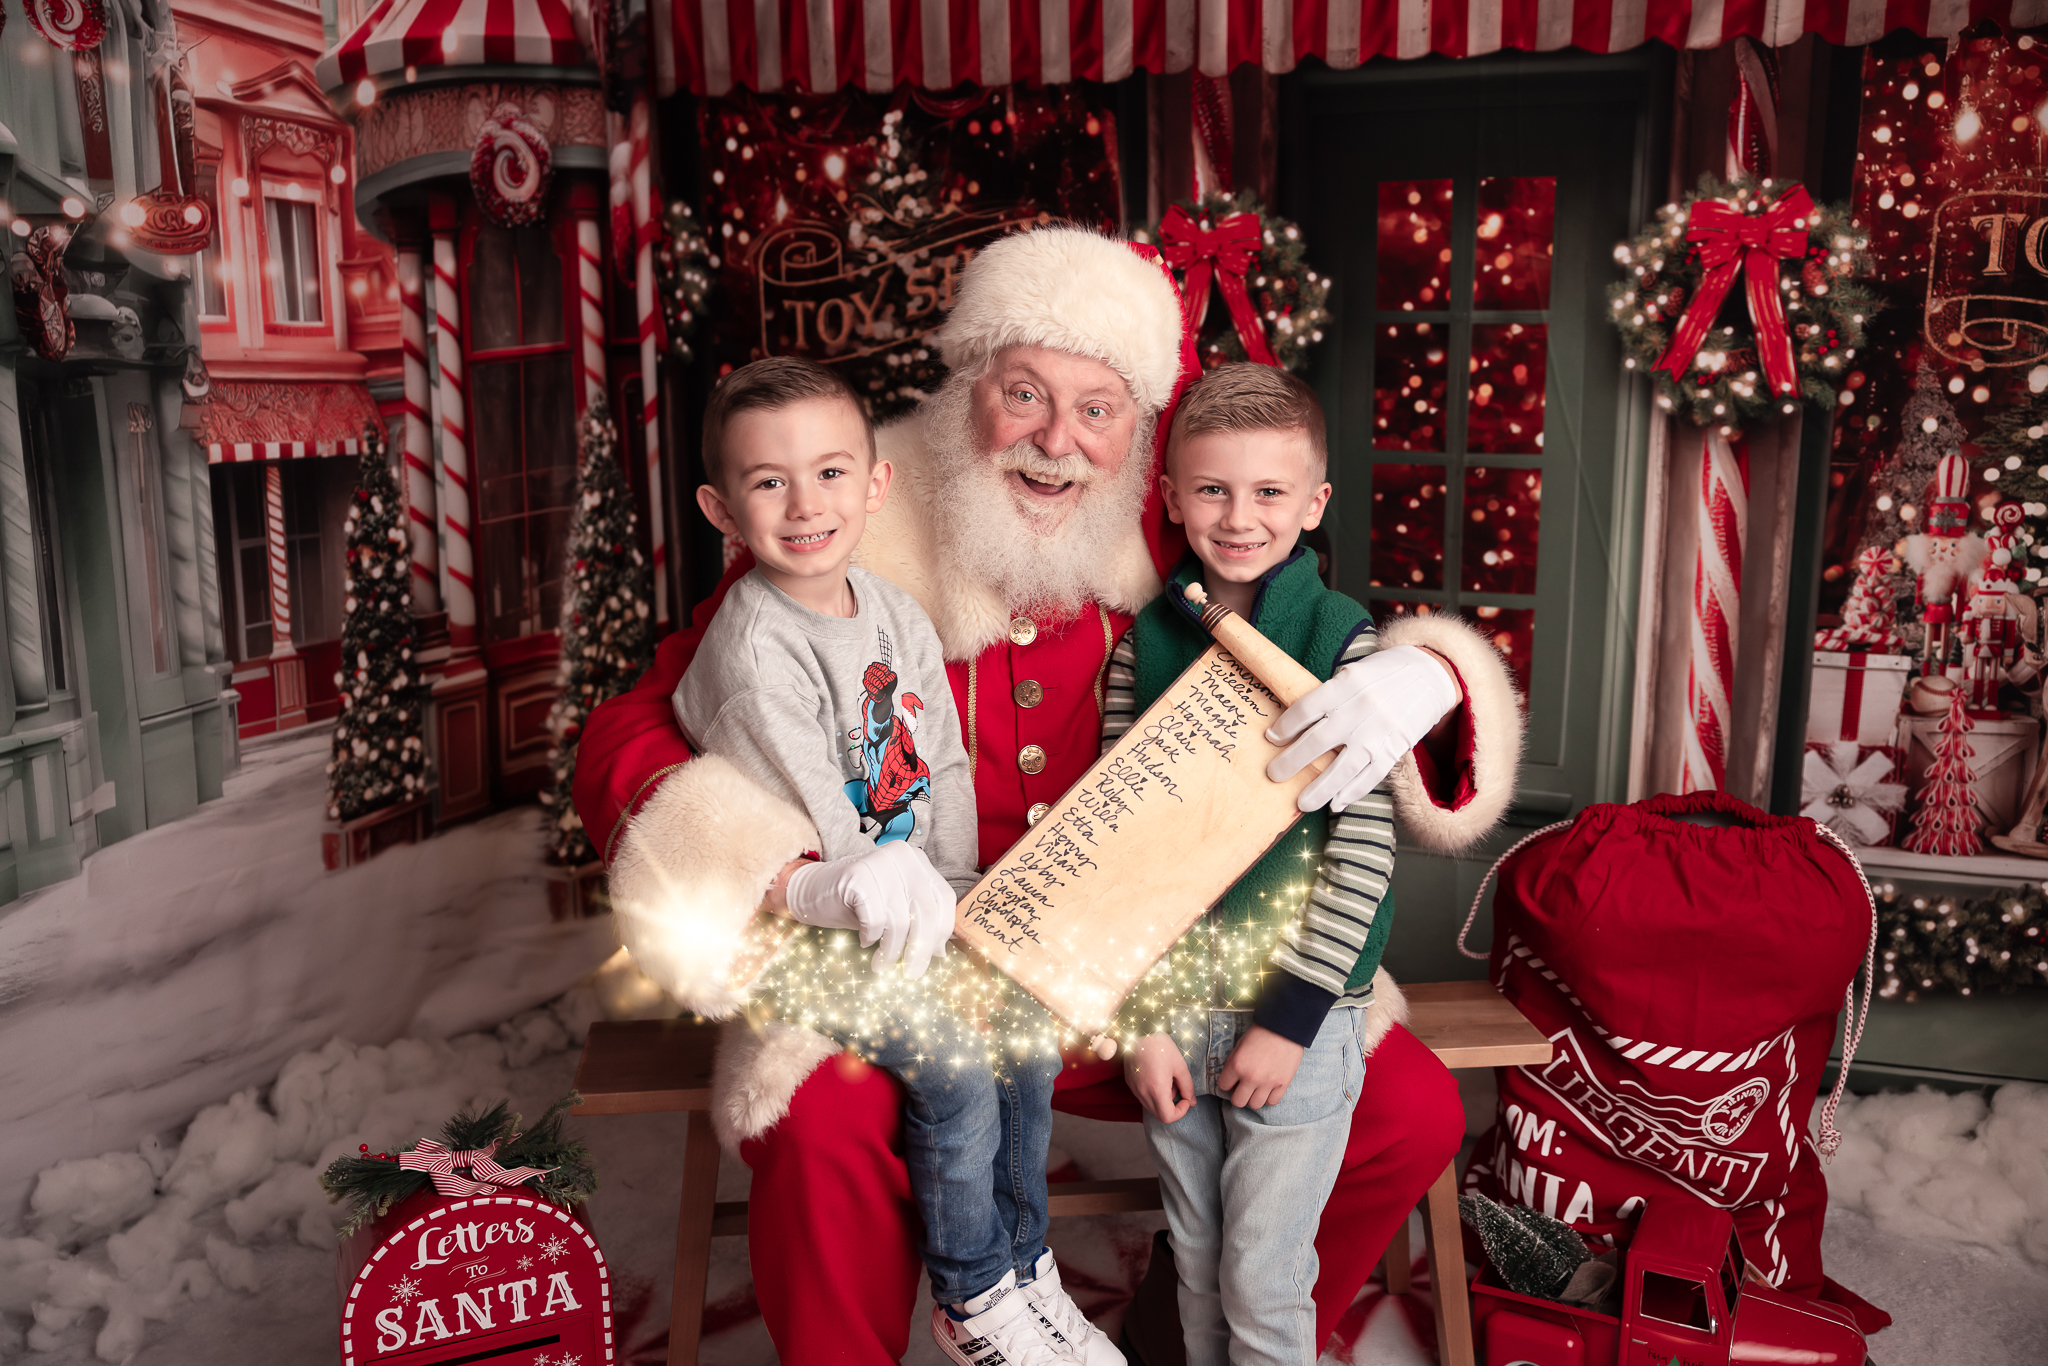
{"x": 1688, "y": 978}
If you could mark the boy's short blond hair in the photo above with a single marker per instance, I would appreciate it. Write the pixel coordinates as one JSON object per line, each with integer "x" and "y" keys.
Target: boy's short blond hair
{"x": 768, "y": 386}
{"x": 1248, "y": 397}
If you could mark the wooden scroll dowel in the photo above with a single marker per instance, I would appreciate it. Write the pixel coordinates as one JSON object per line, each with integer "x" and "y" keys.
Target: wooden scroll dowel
{"x": 1271, "y": 665}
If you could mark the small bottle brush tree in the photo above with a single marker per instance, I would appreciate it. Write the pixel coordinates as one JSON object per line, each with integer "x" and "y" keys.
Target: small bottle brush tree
{"x": 607, "y": 628}
{"x": 379, "y": 757}
{"x": 1947, "y": 820}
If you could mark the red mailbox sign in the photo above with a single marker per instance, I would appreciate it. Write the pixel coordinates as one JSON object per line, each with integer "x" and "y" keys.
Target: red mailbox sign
{"x": 510, "y": 1279}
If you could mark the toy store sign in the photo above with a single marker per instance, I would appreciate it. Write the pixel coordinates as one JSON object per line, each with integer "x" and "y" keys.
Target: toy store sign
{"x": 506, "y": 1279}
{"x": 1987, "y": 279}
{"x": 823, "y": 297}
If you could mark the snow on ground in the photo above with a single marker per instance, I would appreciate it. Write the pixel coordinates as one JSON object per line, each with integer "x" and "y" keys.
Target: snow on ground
{"x": 191, "y": 961}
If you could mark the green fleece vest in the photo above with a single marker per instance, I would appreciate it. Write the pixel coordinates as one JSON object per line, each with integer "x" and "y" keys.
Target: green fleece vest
{"x": 1313, "y": 624}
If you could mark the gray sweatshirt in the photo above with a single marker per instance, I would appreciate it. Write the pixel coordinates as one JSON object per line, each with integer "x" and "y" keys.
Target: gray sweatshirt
{"x": 850, "y": 718}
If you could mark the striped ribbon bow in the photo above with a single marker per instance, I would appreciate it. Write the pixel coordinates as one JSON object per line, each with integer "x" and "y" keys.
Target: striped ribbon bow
{"x": 439, "y": 1162}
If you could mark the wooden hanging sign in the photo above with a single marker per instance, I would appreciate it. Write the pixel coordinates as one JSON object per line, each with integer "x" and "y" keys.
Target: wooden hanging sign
{"x": 1151, "y": 837}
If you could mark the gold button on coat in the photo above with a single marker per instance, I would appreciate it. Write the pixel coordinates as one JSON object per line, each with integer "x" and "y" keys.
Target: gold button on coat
{"x": 1037, "y": 812}
{"x": 1028, "y": 693}
{"x": 1023, "y": 630}
{"x": 1031, "y": 759}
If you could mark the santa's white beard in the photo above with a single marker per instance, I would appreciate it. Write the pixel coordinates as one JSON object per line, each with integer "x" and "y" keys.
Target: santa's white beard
{"x": 1035, "y": 561}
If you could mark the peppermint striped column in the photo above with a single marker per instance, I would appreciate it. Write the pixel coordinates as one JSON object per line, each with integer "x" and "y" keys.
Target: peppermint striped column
{"x": 1716, "y": 608}
{"x": 280, "y": 574}
{"x": 418, "y": 443}
{"x": 650, "y": 374}
{"x": 590, "y": 297}
{"x": 458, "y": 575}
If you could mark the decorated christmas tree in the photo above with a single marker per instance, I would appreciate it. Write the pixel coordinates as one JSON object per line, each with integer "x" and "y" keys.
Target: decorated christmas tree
{"x": 379, "y": 757}
{"x": 1946, "y": 822}
{"x": 1930, "y": 432}
{"x": 607, "y": 626}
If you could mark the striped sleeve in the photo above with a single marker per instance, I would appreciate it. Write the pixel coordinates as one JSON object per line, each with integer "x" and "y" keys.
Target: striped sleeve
{"x": 1319, "y": 950}
{"x": 1120, "y": 692}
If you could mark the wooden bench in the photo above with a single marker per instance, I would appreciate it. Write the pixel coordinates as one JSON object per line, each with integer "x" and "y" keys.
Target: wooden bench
{"x": 664, "y": 1066}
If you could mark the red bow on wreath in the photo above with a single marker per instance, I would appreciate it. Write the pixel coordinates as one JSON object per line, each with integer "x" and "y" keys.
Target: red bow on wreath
{"x": 1225, "y": 251}
{"x": 439, "y": 1162}
{"x": 1731, "y": 240}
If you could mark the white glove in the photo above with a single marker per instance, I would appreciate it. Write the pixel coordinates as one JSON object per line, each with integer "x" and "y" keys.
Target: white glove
{"x": 1372, "y": 712}
{"x": 893, "y": 895}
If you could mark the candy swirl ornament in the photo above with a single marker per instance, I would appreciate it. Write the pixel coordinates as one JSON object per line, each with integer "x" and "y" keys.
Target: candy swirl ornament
{"x": 73, "y": 25}
{"x": 510, "y": 168}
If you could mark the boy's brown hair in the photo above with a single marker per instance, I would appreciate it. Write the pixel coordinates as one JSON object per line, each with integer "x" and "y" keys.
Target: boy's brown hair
{"x": 1248, "y": 397}
{"x": 768, "y": 386}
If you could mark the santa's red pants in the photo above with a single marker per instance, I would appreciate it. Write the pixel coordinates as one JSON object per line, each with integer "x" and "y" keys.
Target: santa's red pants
{"x": 833, "y": 1232}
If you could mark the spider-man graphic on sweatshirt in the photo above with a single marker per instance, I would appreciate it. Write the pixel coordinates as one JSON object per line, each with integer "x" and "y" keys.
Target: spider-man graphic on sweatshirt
{"x": 885, "y": 750}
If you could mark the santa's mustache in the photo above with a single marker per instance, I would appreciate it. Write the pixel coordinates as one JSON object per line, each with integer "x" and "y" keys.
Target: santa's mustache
{"x": 1032, "y": 462}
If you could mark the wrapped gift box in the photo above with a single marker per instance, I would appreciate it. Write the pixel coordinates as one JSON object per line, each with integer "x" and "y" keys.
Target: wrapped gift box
{"x": 2003, "y": 761}
{"x": 1856, "y": 695}
{"x": 1847, "y": 791}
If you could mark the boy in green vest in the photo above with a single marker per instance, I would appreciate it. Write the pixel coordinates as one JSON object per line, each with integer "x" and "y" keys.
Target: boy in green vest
{"x": 1244, "y": 1045}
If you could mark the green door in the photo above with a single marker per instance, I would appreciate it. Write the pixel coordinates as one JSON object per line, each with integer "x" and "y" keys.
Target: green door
{"x": 1486, "y": 453}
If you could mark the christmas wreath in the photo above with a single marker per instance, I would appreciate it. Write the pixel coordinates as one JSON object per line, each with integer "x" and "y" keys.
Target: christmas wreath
{"x": 1275, "y": 305}
{"x": 1723, "y": 357}
{"x": 682, "y": 277}
{"x": 489, "y": 1146}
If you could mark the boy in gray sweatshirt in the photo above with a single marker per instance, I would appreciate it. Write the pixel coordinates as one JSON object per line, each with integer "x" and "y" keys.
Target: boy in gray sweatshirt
{"x": 827, "y": 685}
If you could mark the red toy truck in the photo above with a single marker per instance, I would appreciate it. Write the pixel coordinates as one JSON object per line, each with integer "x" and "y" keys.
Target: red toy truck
{"x": 1684, "y": 1300}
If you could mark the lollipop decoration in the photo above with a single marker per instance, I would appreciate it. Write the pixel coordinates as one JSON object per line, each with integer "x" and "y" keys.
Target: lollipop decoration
{"x": 510, "y": 168}
{"x": 72, "y": 25}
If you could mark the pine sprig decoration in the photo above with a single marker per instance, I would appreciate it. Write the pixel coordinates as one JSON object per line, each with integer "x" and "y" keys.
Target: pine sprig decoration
{"x": 1291, "y": 298}
{"x": 895, "y": 204}
{"x": 682, "y": 277}
{"x": 1997, "y": 942}
{"x": 1534, "y": 1253}
{"x": 371, "y": 1185}
{"x": 607, "y": 627}
{"x": 1827, "y": 307}
{"x": 380, "y": 756}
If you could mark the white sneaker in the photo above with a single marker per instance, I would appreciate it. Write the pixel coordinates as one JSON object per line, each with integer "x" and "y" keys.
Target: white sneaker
{"x": 1077, "y": 1339}
{"x": 1002, "y": 1329}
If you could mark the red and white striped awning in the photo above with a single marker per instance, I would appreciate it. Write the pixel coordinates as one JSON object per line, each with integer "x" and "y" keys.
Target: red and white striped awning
{"x": 712, "y": 46}
{"x": 427, "y": 34}
{"x": 245, "y": 420}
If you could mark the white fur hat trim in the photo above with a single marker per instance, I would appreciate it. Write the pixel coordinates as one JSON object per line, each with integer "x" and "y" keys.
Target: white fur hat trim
{"x": 1069, "y": 289}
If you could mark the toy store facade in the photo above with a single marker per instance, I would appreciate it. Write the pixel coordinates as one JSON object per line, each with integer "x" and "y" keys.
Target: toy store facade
{"x": 115, "y": 713}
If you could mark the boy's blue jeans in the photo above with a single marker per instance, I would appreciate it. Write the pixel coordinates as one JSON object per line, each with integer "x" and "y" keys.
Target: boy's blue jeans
{"x": 975, "y": 1139}
{"x": 1244, "y": 1191}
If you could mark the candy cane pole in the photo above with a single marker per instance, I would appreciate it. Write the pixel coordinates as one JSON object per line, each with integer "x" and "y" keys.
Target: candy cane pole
{"x": 650, "y": 377}
{"x": 280, "y": 576}
{"x": 1716, "y": 602}
{"x": 1724, "y": 484}
{"x": 458, "y": 581}
{"x": 590, "y": 295}
{"x": 418, "y": 441}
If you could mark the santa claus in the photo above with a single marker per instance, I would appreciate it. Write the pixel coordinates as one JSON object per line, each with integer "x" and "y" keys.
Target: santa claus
{"x": 1024, "y": 518}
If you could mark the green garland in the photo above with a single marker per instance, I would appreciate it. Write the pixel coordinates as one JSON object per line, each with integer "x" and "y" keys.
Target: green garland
{"x": 1292, "y": 299}
{"x": 370, "y": 1184}
{"x": 1926, "y": 945}
{"x": 682, "y": 277}
{"x": 1827, "y": 308}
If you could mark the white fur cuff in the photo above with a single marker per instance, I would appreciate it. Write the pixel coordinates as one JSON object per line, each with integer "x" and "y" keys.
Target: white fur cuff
{"x": 690, "y": 873}
{"x": 1496, "y": 737}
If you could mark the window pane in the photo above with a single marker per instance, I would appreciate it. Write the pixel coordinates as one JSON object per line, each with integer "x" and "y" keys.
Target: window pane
{"x": 494, "y": 453}
{"x": 1513, "y": 632}
{"x": 213, "y": 279}
{"x": 294, "y": 261}
{"x": 1408, "y": 526}
{"x": 1414, "y": 244}
{"x": 540, "y": 286}
{"x": 549, "y": 539}
{"x": 1506, "y": 413}
{"x": 255, "y": 606}
{"x": 501, "y": 558}
{"x": 1409, "y": 374}
{"x": 493, "y": 290}
{"x": 1499, "y": 548}
{"x": 1673, "y": 1299}
{"x": 1511, "y": 268}
{"x": 550, "y": 432}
